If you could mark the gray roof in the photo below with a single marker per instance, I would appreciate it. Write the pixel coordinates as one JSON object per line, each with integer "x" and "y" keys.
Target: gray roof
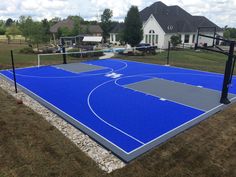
{"x": 174, "y": 19}
{"x": 69, "y": 23}
{"x": 118, "y": 28}
{"x": 93, "y": 28}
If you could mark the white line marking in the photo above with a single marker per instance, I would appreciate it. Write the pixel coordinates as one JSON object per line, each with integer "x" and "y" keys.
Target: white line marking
{"x": 67, "y": 77}
{"x": 180, "y": 127}
{"x": 148, "y": 74}
{"x": 42, "y": 99}
{"x": 162, "y": 99}
{"x": 144, "y": 144}
{"x": 101, "y": 119}
{"x": 106, "y": 138}
{"x": 188, "y": 69}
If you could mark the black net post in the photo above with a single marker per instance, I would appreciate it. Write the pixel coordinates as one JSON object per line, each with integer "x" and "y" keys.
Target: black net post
{"x": 13, "y": 69}
{"x": 64, "y": 55}
{"x": 228, "y": 72}
{"x": 63, "y": 50}
{"x": 168, "y": 54}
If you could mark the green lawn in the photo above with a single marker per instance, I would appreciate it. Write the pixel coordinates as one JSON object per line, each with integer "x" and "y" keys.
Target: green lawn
{"x": 30, "y": 146}
{"x": 21, "y": 60}
{"x": 207, "y": 61}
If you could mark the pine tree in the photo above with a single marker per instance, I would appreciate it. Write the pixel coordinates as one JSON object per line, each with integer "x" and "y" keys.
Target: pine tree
{"x": 133, "y": 33}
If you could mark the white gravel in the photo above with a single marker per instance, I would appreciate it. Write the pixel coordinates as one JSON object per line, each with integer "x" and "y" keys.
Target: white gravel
{"x": 105, "y": 159}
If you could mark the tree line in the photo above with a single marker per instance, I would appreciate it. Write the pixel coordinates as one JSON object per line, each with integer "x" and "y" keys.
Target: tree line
{"x": 36, "y": 32}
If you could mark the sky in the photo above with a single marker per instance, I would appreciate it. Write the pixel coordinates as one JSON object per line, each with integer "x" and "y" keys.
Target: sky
{"x": 221, "y": 12}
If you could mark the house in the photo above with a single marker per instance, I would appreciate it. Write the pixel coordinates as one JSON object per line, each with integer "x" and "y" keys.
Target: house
{"x": 114, "y": 34}
{"x": 87, "y": 30}
{"x": 160, "y": 22}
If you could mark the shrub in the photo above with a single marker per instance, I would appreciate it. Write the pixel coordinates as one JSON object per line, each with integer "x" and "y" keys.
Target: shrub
{"x": 84, "y": 54}
{"x": 175, "y": 40}
{"x": 26, "y": 50}
{"x": 88, "y": 54}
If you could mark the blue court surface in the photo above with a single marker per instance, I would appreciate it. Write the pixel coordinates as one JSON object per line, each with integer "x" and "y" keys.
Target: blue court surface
{"x": 128, "y": 107}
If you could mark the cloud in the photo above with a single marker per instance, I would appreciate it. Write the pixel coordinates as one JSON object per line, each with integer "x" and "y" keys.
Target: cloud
{"x": 221, "y": 12}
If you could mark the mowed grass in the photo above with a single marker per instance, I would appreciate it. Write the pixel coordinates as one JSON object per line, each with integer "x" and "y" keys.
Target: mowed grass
{"x": 26, "y": 60}
{"x": 21, "y": 60}
{"x": 30, "y": 146}
{"x": 202, "y": 60}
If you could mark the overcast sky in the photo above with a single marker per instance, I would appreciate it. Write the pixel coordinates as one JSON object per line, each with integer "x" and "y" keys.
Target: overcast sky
{"x": 221, "y": 12}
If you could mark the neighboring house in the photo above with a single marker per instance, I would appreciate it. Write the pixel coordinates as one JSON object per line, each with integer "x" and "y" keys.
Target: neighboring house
{"x": 114, "y": 34}
{"x": 160, "y": 22}
{"x": 91, "y": 30}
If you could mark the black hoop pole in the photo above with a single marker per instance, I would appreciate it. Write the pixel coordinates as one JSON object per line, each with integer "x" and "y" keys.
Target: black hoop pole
{"x": 232, "y": 71}
{"x": 228, "y": 71}
{"x": 13, "y": 69}
{"x": 168, "y": 54}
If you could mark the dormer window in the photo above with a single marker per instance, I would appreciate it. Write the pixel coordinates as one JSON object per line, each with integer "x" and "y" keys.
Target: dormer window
{"x": 151, "y": 32}
{"x": 170, "y": 27}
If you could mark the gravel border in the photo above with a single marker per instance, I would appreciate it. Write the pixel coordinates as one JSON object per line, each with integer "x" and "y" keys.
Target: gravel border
{"x": 104, "y": 158}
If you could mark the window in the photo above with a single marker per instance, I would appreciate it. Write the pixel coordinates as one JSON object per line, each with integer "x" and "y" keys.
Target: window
{"x": 151, "y": 31}
{"x": 156, "y": 39}
{"x": 153, "y": 39}
{"x": 186, "y": 38}
{"x": 146, "y": 39}
{"x": 193, "y": 38}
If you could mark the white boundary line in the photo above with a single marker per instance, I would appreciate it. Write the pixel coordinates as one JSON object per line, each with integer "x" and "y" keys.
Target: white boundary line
{"x": 139, "y": 75}
{"x": 170, "y": 66}
{"x": 179, "y": 126}
{"x": 143, "y": 144}
{"x": 67, "y": 115}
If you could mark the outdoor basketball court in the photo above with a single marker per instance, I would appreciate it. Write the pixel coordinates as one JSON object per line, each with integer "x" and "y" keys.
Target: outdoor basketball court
{"x": 128, "y": 107}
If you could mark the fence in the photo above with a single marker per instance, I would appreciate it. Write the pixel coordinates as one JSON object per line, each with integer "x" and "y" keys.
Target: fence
{"x": 13, "y": 41}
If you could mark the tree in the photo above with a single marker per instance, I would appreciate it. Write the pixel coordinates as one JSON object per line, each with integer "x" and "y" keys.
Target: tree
{"x": 25, "y": 25}
{"x": 175, "y": 40}
{"x": 63, "y": 31}
{"x": 36, "y": 32}
{"x": 9, "y": 22}
{"x": 54, "y": 20}
{"x": 230, "y": 33}
{"x": 2, "y": 30}
{"x": 45, "y": 30}
{"x": 106, "y": 23}
{"x": 13, "y": 30}
{"x": 76, "y": 27}
{"x": 226, "y": 34}
{"x": 36, "y": 35}
{"x": 76, "y": 18}
{"x": 133, "y": 33}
